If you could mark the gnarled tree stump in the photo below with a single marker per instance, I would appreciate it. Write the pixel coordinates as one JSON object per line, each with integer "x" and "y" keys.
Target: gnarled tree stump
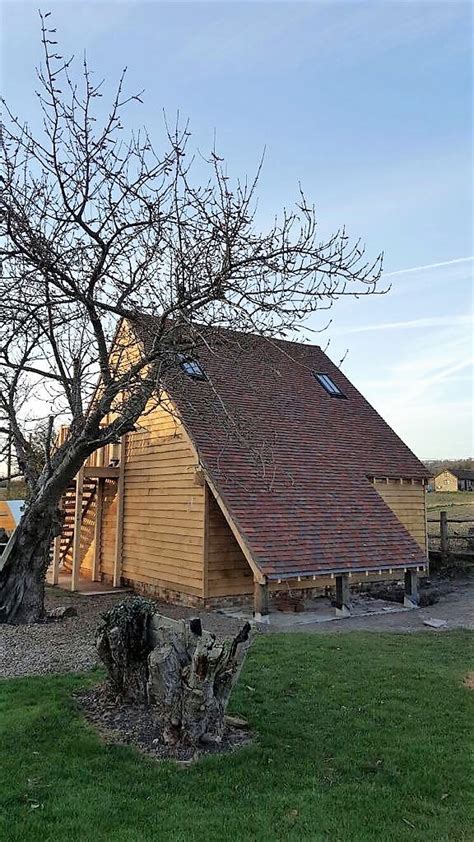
{"x": 184, "y": 672}
{"x": 123, "y": 643}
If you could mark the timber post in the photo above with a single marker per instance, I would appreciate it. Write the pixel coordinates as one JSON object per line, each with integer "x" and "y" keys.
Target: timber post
{"x": 98, "y": 531}
{"x": 443, "y": 531}
{"x": 343, "y": 603}
{"x": 76, "y": 544}
{"x": 119, "y": 521}
{"x": 205, "y": 549}
{"x": 410, "y": 599}
{"x": 261, "y": 611}
{"x": 56, "y": 558}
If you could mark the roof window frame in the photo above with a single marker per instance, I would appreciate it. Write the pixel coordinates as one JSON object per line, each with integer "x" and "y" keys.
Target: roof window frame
{"x": 191, "y": 367}
{"x": 329, "y": 385}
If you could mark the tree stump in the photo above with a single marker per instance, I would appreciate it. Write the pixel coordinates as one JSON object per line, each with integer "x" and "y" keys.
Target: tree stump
{"x": 184, "y": 672}
{"x": 123, "y": 645}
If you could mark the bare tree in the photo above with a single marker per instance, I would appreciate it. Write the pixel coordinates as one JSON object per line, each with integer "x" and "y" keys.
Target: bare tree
{"x": 98, "y": 229}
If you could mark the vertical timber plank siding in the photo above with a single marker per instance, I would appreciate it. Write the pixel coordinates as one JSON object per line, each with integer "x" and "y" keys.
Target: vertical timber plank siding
{"x": 407, "y": 501}
{"x": 164, "y": 501}
{"x": 228, "y": 572}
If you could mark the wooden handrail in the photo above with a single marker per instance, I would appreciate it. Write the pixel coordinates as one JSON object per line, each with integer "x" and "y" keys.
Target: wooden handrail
{"x": 101, "y": 458}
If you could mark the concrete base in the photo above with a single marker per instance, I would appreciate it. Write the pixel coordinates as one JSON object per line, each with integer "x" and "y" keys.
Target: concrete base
{"x": 86, "y": 587}
{"x": 344, "y": 611}
{"x": 409, "y": 602}
{"x": 320, "y": 611}
{"x": 411, "y": 598}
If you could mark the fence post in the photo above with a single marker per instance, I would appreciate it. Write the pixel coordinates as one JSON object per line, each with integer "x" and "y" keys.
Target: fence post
{"x": 443, "y": 531}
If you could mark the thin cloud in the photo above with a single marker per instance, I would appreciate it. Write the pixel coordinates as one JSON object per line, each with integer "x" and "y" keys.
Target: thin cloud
{"x": 446, "y": 372}
{"x": 428, "y": 266}
{"x": 427, "y": 321}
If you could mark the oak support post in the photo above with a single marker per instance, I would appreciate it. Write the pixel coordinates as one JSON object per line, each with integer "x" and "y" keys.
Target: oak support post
{"x": 76, "y": 544}
{"x": 261, "y": 610}
{"x": 205, "y": 549}
{"x": 443, "y": 531}
{"x": 56, "y": 555}
{"x": 98, "y": 531}
{"x": 119, "y": 521}
{"x": 56, "y": 559}
{"x": 410, "y": 599}
{"x": 343, "y": 602}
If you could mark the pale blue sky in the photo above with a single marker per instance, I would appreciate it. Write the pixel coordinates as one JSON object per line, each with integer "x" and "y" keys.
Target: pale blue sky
{"x": 368, "y": 104}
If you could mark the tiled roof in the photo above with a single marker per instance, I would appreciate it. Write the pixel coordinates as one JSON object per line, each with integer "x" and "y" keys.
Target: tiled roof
{"x": 461, "y": 473}
{"x": 291, "y": 463}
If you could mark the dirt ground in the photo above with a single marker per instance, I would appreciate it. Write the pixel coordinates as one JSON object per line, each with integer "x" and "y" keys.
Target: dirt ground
{"x": 140, "y": 725}
{"x": 68, "y": 645}
{"x": 455, "y": 606}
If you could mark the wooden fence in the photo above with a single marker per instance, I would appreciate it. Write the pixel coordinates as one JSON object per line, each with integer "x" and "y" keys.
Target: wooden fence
{"x": 454, "y": 537}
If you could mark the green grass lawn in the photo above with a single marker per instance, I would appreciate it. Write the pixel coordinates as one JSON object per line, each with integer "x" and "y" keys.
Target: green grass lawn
{"x": 361, "y": 737}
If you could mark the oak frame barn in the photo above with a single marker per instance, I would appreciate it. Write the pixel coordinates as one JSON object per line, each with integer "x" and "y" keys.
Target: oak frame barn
{"x": 261, "y": 468}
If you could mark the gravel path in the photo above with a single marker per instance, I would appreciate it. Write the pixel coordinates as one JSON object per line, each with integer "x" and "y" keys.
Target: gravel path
{"x": 68, "y": 645}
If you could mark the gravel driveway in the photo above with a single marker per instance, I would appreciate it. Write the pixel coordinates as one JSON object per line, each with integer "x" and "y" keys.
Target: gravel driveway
{"x": 68, "y": 645}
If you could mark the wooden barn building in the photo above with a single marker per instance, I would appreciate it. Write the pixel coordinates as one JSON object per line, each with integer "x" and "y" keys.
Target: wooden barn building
{"x": 262, "y": 469}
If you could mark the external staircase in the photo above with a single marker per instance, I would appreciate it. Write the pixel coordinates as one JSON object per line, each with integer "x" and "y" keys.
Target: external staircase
{"x": 68, "y": 505}
{"x": 85, "y": 495}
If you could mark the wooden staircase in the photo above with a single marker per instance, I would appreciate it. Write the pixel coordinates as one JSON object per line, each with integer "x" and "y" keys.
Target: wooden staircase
{"x": 68, "y": 505}
{"x": 90, "y": 484}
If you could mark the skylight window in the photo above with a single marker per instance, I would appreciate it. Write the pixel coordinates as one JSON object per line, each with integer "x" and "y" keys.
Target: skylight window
{"x": 192, "y": 368}
{"x": 329, "y": 385}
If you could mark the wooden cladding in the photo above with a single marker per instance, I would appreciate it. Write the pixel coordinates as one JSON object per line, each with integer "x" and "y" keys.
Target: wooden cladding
{"x": 228, "y": 571}
{"x": 163, "y": 516}
{"x": 406, "y": 499}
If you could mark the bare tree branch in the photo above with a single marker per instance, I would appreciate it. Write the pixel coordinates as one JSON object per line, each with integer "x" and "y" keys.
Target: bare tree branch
{"x": 97, "y": 229}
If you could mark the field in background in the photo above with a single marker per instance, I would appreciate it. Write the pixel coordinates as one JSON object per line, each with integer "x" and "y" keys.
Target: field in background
{"x": 17, "y": 490}
{"x": 457, "y": 505}
{"x": 447, "y": 499}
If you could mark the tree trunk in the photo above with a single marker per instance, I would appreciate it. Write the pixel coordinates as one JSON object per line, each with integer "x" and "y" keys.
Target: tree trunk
{"x": 186, "y": 673}
{"x": 24, "y": 564}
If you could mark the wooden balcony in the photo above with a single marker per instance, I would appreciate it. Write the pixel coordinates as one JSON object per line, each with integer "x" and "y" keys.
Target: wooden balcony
{"x": 103, "y": 463}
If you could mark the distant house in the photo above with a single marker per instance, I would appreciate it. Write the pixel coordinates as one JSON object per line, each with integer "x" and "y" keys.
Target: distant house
{"x": 454, "y": 479}
{"x": 263, "y": 468}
